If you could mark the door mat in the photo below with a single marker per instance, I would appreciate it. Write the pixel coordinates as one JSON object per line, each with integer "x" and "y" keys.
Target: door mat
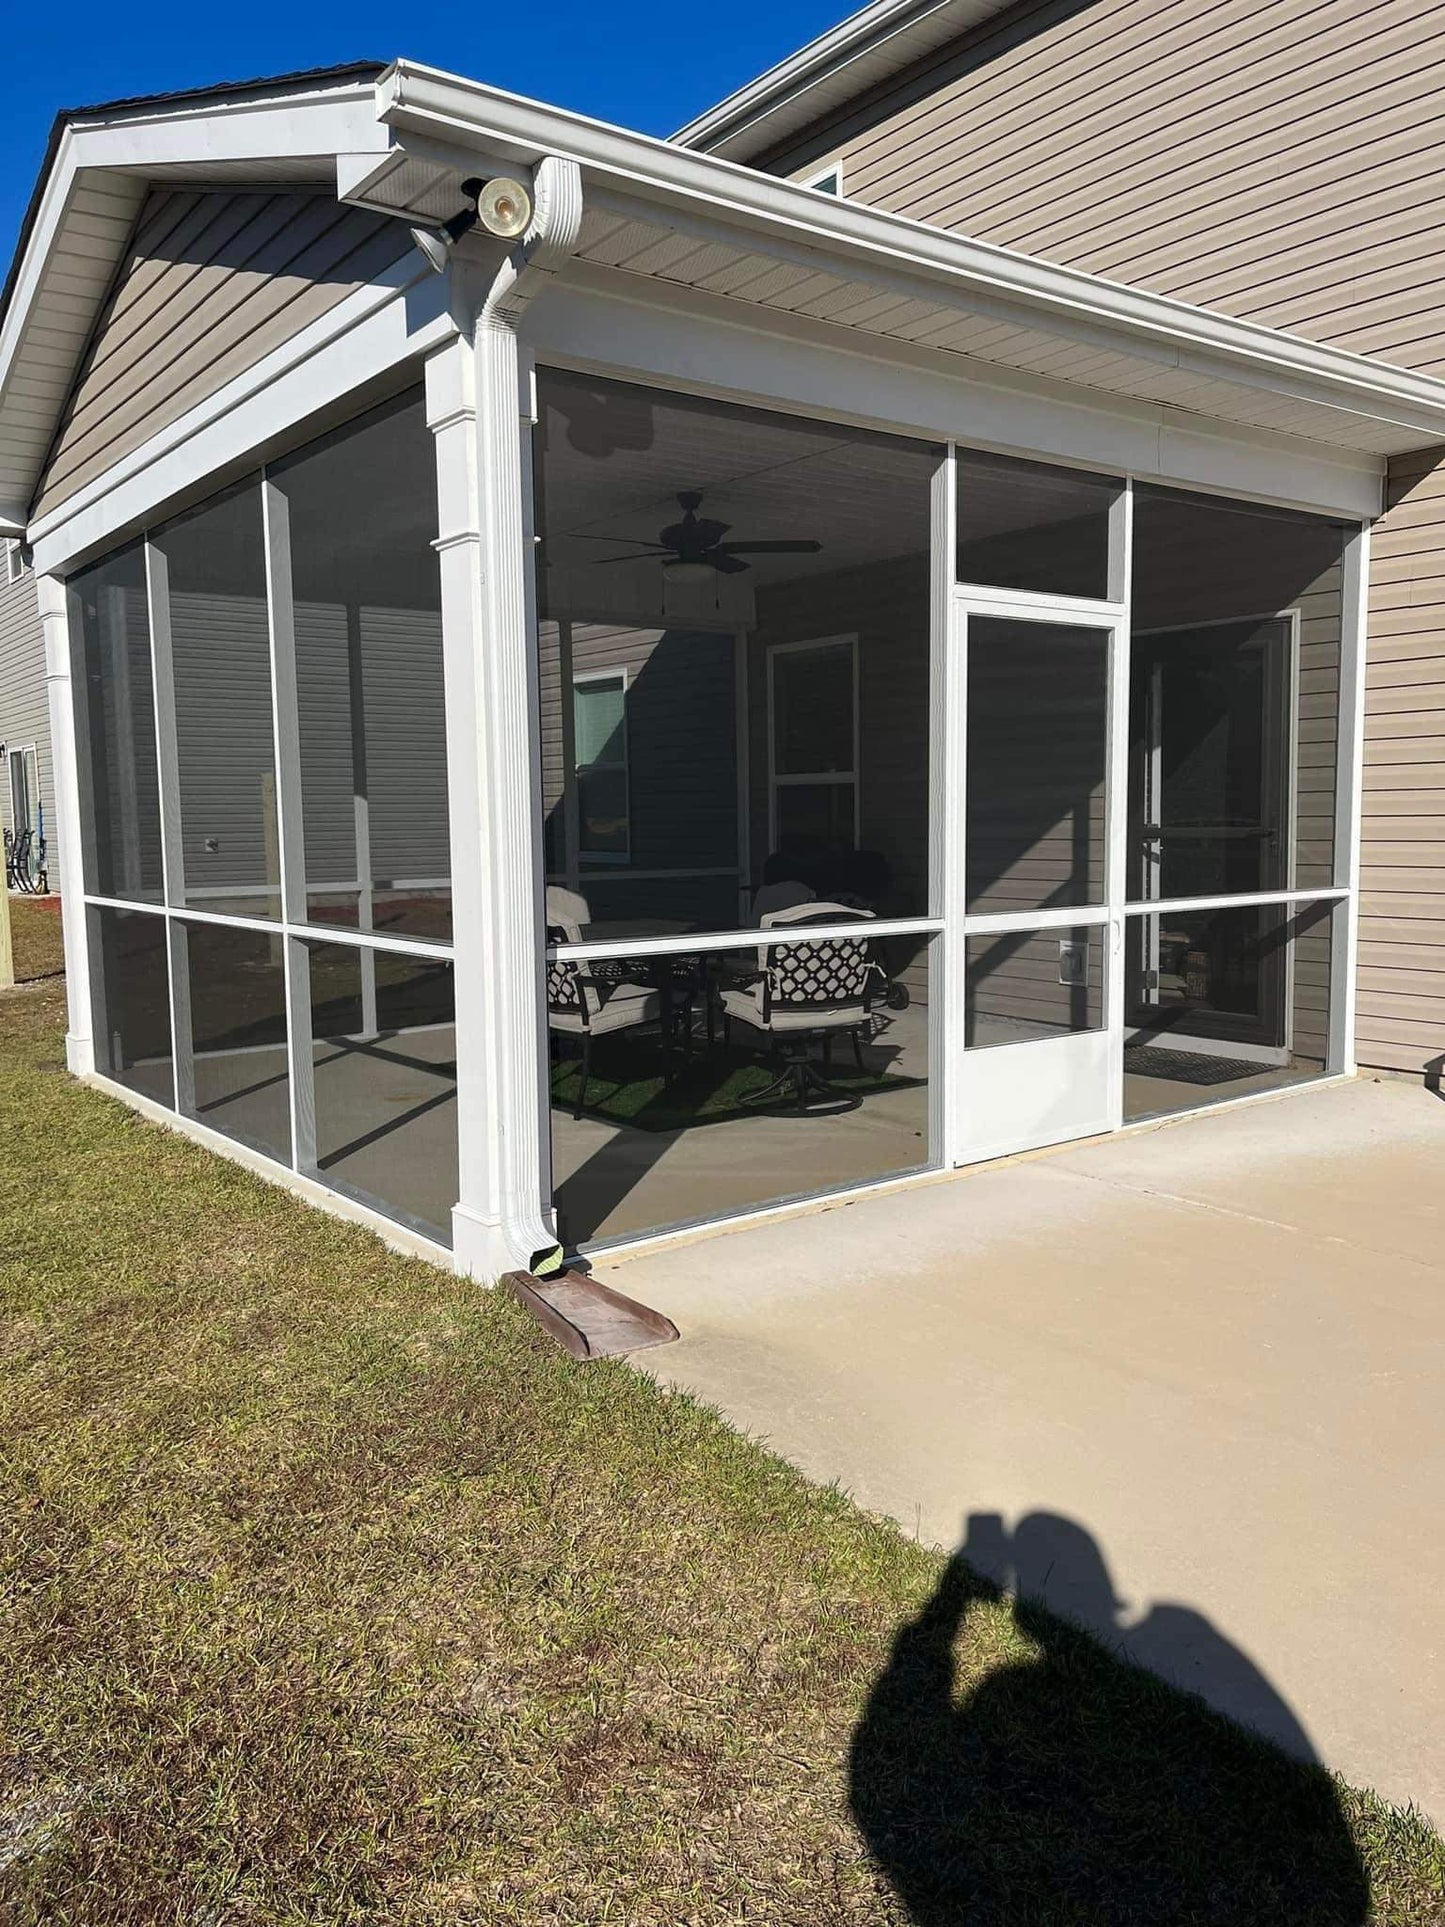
{"x": 587, "y": 1318}
{"x": 1186, "y": 1066}
{"x": 630, "y": 1086}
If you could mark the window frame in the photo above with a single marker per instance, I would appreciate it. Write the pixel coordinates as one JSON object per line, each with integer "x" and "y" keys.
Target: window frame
{"x": 28, "y": 757}
{"x": 819, "y": 179}
{"x": 779, "y": 780}
{"x": 607, "y": 859}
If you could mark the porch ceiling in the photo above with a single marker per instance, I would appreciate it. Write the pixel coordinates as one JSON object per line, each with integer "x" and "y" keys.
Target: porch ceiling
{"x": 981, "y": 330}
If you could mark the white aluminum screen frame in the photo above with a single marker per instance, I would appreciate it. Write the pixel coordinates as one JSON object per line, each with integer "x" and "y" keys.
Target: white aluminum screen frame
{"x": 293, "y": 929}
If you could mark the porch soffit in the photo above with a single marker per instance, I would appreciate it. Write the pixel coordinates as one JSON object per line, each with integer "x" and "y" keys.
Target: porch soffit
{"x": 639, "y": 240}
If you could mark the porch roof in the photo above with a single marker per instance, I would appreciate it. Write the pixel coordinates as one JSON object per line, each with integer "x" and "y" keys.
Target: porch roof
{"x": 687, "y": 226}
{"x": 659, "y": 212}
{"x": 867, "y": 49}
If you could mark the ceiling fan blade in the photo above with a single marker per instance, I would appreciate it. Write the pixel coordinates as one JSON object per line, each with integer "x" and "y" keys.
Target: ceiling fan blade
{"x": 637, "y": 555}
{"x": 726, "y": 564}
{"x": 770, "y": 548}
{"x": 580, "y": 537}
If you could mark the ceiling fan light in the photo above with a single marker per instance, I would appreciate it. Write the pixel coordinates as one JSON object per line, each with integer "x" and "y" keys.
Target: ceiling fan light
{"x": 689, "y": 571}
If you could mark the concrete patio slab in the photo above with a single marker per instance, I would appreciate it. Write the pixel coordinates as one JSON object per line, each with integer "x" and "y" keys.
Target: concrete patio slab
{"x": 1218, "y": 1347}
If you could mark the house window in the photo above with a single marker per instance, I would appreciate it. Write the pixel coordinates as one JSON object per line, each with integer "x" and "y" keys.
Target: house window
{"x": 599, "y": 710}
{"x": 14, "y": 562}
{"x": 813, "y": 708}
{"x": 24, "y": 789}
{"x": 828, "y": 181}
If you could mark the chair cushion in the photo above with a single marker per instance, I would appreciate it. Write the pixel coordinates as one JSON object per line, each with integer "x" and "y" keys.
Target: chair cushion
{"x": 746, "y": 1006}
{"x": 626, "y": 1006}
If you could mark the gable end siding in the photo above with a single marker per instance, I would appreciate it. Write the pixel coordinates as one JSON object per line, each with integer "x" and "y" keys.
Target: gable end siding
{"x": 211, "y": 284}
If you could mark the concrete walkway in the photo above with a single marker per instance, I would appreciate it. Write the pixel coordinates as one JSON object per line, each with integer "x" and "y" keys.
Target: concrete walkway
{"x": 1203, "y": 1366}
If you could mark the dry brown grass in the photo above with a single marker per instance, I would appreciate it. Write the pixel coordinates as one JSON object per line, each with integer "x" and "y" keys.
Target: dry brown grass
{"x": 332, "y": 1593}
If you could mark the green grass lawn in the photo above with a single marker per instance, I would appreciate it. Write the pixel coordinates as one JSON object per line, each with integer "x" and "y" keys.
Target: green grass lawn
{"x": 333, "y": 1593}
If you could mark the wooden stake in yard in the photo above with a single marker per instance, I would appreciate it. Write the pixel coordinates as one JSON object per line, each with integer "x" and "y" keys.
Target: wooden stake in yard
{"x": 7, "y": 947}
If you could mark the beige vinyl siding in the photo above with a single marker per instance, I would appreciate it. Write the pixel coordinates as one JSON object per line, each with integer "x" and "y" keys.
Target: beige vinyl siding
{"x": 1400, "y": 1007}
{"x": 1280, "y": 160}
{"x": 394, "y": 760}
{"x": 886, "y": 605}
{"x": 25, "y": 699}
{"x": 226, "y": 744}
{"x": 211, "y": 284}
{"x": 682, "y": 764}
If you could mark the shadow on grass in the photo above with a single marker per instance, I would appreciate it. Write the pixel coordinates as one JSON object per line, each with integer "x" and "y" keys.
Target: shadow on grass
{"x": 1072, "y": 1787}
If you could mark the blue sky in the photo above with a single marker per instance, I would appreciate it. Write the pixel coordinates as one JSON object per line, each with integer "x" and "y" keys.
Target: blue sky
{"x": 644, "y": 63}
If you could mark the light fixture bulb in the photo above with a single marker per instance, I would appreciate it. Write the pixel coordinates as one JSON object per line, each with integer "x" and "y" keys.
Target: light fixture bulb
{"x": 505, "y": 208}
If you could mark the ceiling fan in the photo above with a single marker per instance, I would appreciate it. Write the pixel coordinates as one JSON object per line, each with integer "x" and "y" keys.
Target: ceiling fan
{"x": 688, "y": 548}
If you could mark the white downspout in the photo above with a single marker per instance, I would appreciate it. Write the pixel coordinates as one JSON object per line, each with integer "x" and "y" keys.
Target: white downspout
{"x": 477, "y": 400}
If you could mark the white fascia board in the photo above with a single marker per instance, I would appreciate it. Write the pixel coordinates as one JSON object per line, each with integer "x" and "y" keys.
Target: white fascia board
{"x": 364, "y": 339}
{"x": 886, "y": 29}
{"x": 680, "y": 338}
{"x": 323, "y": 124}
{"x": 441, "y": 106}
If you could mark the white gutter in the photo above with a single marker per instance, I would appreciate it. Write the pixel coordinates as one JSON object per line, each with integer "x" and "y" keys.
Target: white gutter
{"x": 445, "y": 107}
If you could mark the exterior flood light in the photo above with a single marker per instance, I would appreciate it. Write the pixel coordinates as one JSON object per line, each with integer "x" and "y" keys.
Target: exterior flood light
{"x": 502, "y": 206}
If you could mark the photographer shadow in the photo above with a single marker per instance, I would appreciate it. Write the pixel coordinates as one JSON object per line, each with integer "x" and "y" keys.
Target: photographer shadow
{"x": 1068, "y": 1784}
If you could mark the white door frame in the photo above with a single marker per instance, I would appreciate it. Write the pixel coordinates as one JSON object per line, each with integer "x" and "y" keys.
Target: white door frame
{"x": 1049, "y": 1090}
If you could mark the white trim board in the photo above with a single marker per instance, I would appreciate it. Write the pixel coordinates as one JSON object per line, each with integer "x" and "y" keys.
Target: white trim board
{"x": 703, "y": 345}
{"x": 339, "y": 359}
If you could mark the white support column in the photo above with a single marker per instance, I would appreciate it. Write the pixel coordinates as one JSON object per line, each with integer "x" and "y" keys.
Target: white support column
{"x": 1116, "y": 796}
{"x": 163, "y": 697}
{"x": 571, "y": 803}
{"x": 79, "y": 1039}
{"x": 1349, "y": 790}
{"x": 476, "y": 405}
{"x": 290, "y": 827}
{"x": 946, "y": 827}
{"x": 361, "y": 813}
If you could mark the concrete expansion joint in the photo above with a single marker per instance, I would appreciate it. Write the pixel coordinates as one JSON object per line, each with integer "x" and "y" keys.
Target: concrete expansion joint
{"x": 1230, "y": 1211}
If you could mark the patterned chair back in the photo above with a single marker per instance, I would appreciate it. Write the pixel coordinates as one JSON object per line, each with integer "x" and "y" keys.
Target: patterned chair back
{"x": 569, "y": 988}
{"x": 816, "y": 976}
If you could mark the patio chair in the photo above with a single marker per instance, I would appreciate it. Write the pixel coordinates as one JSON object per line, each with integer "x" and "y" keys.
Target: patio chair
{"x": 567, "y": 906}
{"x": 584, "y": 1006}
{"x": 788, "y": 895}
{"x": 804, "y": 992}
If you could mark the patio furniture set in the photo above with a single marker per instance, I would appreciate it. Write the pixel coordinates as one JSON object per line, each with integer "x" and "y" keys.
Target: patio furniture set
{"x": 793, "y": 996}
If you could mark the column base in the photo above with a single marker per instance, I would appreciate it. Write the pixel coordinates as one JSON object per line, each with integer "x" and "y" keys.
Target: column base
{"x": 486, "y": 1249}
